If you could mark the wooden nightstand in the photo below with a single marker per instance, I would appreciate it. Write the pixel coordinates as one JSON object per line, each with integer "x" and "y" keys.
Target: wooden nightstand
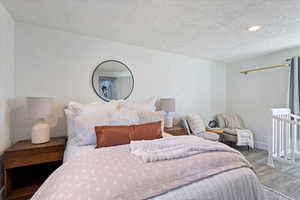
{"x": 215, "y": 130}
{"x": 176, "y": 131}
{"x": 27, "y": 166}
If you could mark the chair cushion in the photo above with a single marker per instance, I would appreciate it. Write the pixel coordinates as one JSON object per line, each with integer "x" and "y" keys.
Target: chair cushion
{"x": 233, "y": 121}
{"x": 230, "y": 131}
{"x": 209, "y": 136}
{"x": 186, "y": 126}
{"x": 196, "y": 123}
{"x": 220, "y": 121}
{"x": 229, "y": 138}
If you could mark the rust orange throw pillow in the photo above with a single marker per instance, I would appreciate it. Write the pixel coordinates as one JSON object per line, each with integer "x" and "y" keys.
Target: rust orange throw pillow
{"x": 117, "y": 135}
{"x": 112, "y": 135}
{"x": 149, "y": 131}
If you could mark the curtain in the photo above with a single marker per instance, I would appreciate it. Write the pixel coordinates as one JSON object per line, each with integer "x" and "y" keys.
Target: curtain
{"x": 293, "y": 95}
{"x": 294, "y": 86}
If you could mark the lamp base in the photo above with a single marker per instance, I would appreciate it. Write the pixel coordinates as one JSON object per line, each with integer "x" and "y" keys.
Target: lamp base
{"x": 40, "y": 133}
{"x": 168, "y": 121}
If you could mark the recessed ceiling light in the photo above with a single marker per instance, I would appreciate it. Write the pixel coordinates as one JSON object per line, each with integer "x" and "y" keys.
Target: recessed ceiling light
{"x": 254, "y": 28}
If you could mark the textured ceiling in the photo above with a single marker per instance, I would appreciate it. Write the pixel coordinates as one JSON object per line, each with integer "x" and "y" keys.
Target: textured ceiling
{"x": 214, "y": 29}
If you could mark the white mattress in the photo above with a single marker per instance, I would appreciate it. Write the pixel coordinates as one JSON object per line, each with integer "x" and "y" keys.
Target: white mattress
{"x": 238, "y": 184}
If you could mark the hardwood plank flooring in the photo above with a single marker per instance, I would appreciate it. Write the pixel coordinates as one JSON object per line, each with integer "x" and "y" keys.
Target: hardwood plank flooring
{"x": 285, "y": 178}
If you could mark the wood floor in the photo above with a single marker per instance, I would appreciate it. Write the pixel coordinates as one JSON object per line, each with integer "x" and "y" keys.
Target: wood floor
{"x": 285, "y": 178}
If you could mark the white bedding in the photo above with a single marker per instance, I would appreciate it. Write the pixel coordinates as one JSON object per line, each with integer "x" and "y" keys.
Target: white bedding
{"x": 74, "y": 150}
{"x": 238, "y": 184}
{"x": 175, "y": 147}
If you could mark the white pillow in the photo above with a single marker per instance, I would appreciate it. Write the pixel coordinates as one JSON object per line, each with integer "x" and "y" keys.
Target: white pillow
{"x": 93, "y": 108}
{"x": 196, "y": 123}
{"x": 147, "y": 117}
{"x": 70, "y": 117}
{"x": 123, "y": 118}
{"x": 143, "y": 106}
{"x": 85, "y": 127}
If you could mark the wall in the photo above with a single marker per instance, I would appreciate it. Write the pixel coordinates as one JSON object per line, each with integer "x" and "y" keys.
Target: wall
{"x": 6, "y": 78}
{"x": 253, "y": 95}
{"x": 59, "y": 64}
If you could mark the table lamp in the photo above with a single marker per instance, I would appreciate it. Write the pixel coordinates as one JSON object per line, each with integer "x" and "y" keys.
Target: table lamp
{"x": 39, "y": 109}
{"x": 168, "y": 105}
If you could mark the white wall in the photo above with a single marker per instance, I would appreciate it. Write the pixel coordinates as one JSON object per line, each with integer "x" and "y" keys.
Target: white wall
{"x": 6, "y": 81}
{"x": 6, "y": 75}
{"x": 253, "y": 95}
{"x": 59, "y": 64}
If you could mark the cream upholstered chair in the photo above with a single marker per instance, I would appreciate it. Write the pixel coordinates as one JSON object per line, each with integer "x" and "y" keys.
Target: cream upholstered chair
{"x": 229, "y": 122}
{"x": 196, "y": 126}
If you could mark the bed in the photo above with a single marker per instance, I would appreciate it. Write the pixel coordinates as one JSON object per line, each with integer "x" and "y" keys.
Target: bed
{"x": 236, "y": 184}
{"x": 114, "y": 173}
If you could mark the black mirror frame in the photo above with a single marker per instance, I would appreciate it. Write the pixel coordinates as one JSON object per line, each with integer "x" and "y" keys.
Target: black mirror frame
{"x": 99, "y": 65}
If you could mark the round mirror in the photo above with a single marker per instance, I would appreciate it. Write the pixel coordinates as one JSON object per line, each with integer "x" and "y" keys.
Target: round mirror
{"x": 112, "y": 80}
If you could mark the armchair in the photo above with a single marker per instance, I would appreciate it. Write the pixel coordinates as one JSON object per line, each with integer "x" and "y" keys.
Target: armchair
{"x": 229, "y": 122}
{"x": 196, "y": 126}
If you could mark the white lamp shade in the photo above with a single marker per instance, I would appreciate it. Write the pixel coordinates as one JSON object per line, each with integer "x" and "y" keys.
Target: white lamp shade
{"x": 39, "y": 107}
{"x": 167, "y": 104}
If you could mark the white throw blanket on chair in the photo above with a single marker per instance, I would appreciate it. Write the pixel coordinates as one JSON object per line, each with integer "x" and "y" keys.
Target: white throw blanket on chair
{"x": 245, "y": 137}
{"x": 174, "y": 147}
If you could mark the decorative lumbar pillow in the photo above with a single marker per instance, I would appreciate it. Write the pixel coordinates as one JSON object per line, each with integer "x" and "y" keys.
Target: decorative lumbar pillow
{"x": 93, "y": 108}
{"x": 85, "y": 127}
{"x": 117, "y": 135}
{"x": 196, "y": 123}
{"x": 112, "y": 135}
{"x": 143, "y": 106}
{"x": 149, "y": 131}
{"x": 146, "y": 117}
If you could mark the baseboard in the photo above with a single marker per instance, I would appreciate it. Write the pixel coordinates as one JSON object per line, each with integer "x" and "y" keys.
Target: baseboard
{"x": 261, "y": 145}
{"x": 1, "y": 193}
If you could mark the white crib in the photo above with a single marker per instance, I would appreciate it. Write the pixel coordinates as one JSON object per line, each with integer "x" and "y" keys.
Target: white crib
{"x": 283, "y": 142}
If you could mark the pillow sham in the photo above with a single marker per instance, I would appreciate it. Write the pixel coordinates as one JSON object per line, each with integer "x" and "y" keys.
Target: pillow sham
{"x": 93, "y": 108}
{"x": 196, "y": 123}
{"x": 143, "y": 106}
{"x": 85, "y": 127}
{"x": 70, "y": 117}
{"x": 146, "y": 117}
{"x": 123, "y": 117}
{"x": 117, "y": 135}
